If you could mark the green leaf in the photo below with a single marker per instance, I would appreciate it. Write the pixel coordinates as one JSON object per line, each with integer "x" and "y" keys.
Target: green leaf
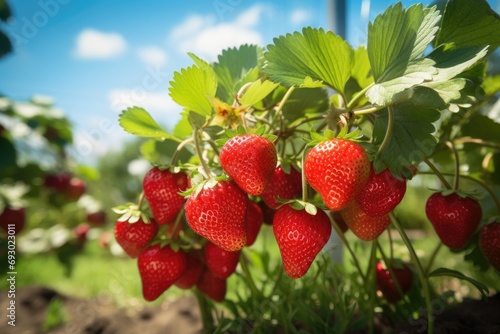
{"x": 411, "y": 139}
{"x": 481, "y": 127}
{"x": 305, "y": 101}
{"x": 453, "y": 273}
{"x": 398, "y": 37}
{"x": 8, "y": 158}
{"x": 139, "y": 122}
{"x": 469, "y": 23}
{"x": 257, "y": 92}
{"x": 314, "y": 53}
{"x": 361, "y": 71}
{"x": 193, "y": 87}
{"x": 491, "y": 85}
{"x": 235, "y": 67}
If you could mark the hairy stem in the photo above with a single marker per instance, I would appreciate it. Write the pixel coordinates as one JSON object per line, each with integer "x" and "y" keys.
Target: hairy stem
{"x": 199, "y": 153}
{"x": 420, "y": 272}
{"x": 388, "y": 132}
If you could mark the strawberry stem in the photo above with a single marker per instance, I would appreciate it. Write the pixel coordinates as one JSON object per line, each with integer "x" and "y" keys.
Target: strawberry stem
{"x": 433, "y": 256}
{"x": 456, "y": 182}
{"x": 249, "y": 279}
{"x": 372, "y": 288}
{"x": 179, "y": 148}
{"x": 420, "y": 272}
{"x": 141, "y": 200}
{"x": 305, "y": 189}
{"x": 437, "y": 173}
{"x": 358, "y": 96}
{"x": 351, "y": 252}
{"x": 206, "y": 312}
{"x": 283, "y": 101}
{"x": 388, "y": 132}
{"x": 199, "y": 153}
{"x": 477, "y": 141}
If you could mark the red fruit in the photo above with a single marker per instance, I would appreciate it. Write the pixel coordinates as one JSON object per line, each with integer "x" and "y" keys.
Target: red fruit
{"x": 338, "y": 170}
{"x": 386, "y": 284}
{"x": 58, "y": 182}
{"x": 161, "y": 189}
{"x": 159, "y": 269}
{"x": 381, "y": 194}
{"x": 337, "y": 219}
{"x": 300, "y": 237}
{"x": 218, "y": 213}
{"x": 363, "y": 226}
{"x": 254, "y": 222}
{"x": 489, "y": 242}
{"x": 221, "y": 262}
{"x": 250, "y": 160}
{"x": 267, "y": 212}
{"x": 76, "y": 188}
{"x": 192, "y": 273}
{"x": 81, "y": 232}
{"x": 211, "y": 285}
{"x": 282, "y": 185}
{"x": 454, "y": 218}
{"x": 16, "y": 218}
{"x": 134, "y": 237}
{"x": 96, "y": 218}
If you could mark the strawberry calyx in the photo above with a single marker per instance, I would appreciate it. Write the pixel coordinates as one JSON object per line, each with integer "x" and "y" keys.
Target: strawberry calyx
{"x": 316, "y": 138}
{"x": 240, "y": 130}
{"x": 297, "y": 204}
{"x": 474, "y": 193}
{"x": 131, "y": 212}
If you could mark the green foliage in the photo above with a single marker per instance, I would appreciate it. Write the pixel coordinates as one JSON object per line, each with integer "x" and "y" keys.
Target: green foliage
{"x": 56, "y": 314}
{"x": 139, "y": 122}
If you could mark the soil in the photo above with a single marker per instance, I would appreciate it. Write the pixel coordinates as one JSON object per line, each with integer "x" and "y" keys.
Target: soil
{"x": 182, "y": 316}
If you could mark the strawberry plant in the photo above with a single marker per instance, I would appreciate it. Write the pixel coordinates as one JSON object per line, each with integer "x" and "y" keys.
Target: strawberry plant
{"x": 311, "y": 128}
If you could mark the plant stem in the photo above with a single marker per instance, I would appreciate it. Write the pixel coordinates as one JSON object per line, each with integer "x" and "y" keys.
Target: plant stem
{"x": 456, "y": 179}
{"x": 433, "y": 256}
{"x": 249, "y": 279}
{"x": 390, "y": 243}
{"x": 437, "y": 172}
{"x": 305, "y": 190}
{"x": 351, "y": 252}
{"x": 283, "y": 101}
{"x": 199, "y": 153}
{"x": 481, "y": 142}
{"x": 420, "y": 271}
{"x": 372, "y": 289}
{"x": 205, "y": 311}
{"x": 141, "y": 200}
{"x": 358, "y": 96}
{"x": 179, "y": 148}
{"x": 388, "y": 132}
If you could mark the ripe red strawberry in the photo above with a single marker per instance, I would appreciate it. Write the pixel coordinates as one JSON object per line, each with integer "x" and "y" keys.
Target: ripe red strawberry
{"x": 300, "y": 237}
{"x": 282, "y": 185}
{"x": 337, "y": 218}
{"x": 96, "y": 218}
{"x": 218, "y": 213}
{"x": 489, "y": 241}
{"x": 363, "y": 226}
{"x": 159, "y": 269}
{"x": 267, "y": 212}
{"x": 192, "y": 273}
{"x": 58, "y": 182}
{"x": 250, "y": 160}
{"x": 386, "y": 284}
{"x": 75, "y": 189}
{"x": 454, "y": 218}
{"x": 161, "y": 189}
{"x": 211, "y": 285}
{"x": 13, "y": 216}
{"x": 221, "y": 262}
{"x": 254, "y": 221}
{"x": 134, "y": 237}
{"x": 381, "y": 194}
{"x": 338, "y": 170}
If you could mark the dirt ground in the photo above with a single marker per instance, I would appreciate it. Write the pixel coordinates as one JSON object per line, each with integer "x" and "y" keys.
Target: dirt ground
{"x": 182, "y": 316}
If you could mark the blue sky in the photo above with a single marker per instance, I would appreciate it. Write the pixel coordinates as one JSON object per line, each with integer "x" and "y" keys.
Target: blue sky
{"x": 96, "y": 57}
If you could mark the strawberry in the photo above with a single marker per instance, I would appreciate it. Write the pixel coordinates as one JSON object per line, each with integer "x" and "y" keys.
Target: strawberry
{"x": 489, "y": 242}
{"x": 363, "y": 226}
{"x": 454, "y": 218}
{"x": 192, "y": 273}
{"x": 254, "y": 222}
{"x": 15, "y": 217}
{"x": 338, "y": 170}
{"x": 211, "y": 285}
{"x": 161, "y": 189}
{"x": 218, "y": 213}
{"x": 76, "y": 188}
{"x": 300, "y": 237}
{"x": 159, "y": 269}
{"x": 267, "y": 212}
{"x": 81, "y": 232}
{"x": 96, "y": 218}
{"x": 381, "y": 194}
{"x": 219, "y": 261}
{"x": 250, "y": 161}
{"x": 134, "y": 237}
{"x": 58, "y": 182}
{"x": 386, "y": 284}
{"x": 337, "y": 219}
{"x": 282, "y": 185}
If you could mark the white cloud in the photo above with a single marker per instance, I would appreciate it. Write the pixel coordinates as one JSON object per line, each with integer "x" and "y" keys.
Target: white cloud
{"x": 202, "y": 36}
{"x": 94, "y": 44}
{"x": 299, "y": 16}
{"x": 153, "y": 56}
